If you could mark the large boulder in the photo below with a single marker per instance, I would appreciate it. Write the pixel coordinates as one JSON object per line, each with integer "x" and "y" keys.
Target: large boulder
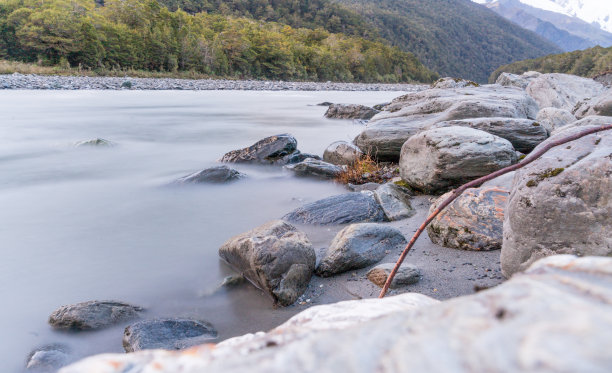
{"x": 557, "y": 317}
{"x": 275, "y": 257}
{"x": 350, "y": 111}
{"x": 358, "y": 246}
{"x": 273, "y": 149}
{"x": 523, "y": 134}
{"x": 395, "y": 201}
{"x": 346, "y": 208}
{"x": 342, "y": 153}
{"x": 92, "y": 315}
{"x": 593, "y": 120}
{"x": 473, "y": 221}
{"x": 448, "y": 82}
{"x": 167, "y": 334}
{"x": 600, "y": 105}
{"x": 513, "y": 80}
{"x": 407, "y": 274}
{"x": 316, "y": 168}
{"x": 562, "y": 91}
{"x": 552, "y": 118}
{"x": 213, "y": 175}
{"x": 560, "y": 203}
{"x": 438, "y": 159}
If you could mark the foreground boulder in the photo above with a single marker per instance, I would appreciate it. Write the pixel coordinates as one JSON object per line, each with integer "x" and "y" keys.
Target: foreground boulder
{"x": 273, "y": 149}
{"x": 167, "y": 334}
{"x": 560, "y": 203}
{"x": 350, "y": 111}
{"x": 395, "y": 201}
{"x": 552, "y": 118}
{"x": 557, "y": 317}
{"x": 48, "y": 358}
{"x": 407, "y": 274}
{"x": 523, "y": 134}
{"x": 358, "y": 246}
{"x": 562, "y": 91}
{"x": 343, "y": 209}
{"x": 438, "y": 159}
{"x": 92, "y": 315}
{"x": 316, "y": 168}
{"x": 473, "y": 221}
{"x": 213, "y": 175}
{"x": 342, "y": 153}
{"x": 275, "y": 257}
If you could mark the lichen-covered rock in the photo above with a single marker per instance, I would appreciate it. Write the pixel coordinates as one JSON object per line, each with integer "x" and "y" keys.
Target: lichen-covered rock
{"x": 593, "y": 120}
{"x": 449, "y": 82}
{"x": 557, "y": 317}
{"x": 395, "y": 201}
{"x": 523, "y": 134}
{"x": 273, "y": 149}
{"x": 342, "y": 153}
{"x": 316, "y": 168}
{"x": 275, "y": 257}
{"x": 473, "y": 221}
{"x": 342, "y": 209}
{"x": 438, "y": 159}
{"x": 213, "y": 175}
{"x": 350, "y": 111}
{"x": 562, "y": 91}
{"x": 560, "y": 203}
{"x": 167, "y": 334}
{"x": 48, "y": 358}
{"x": 407, "y": 274}
{"x": 600, "y": 105}
{"x": 552, "y": 118}
{"x": 358, "y": 246}
{"x": 92, "y": 315}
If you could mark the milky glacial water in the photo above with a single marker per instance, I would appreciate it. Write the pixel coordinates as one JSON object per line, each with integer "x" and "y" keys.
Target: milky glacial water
{"x": 80, "y": 224}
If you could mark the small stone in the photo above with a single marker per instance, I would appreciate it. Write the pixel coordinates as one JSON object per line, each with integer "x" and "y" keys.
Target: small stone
{"x": 407, "y": 274}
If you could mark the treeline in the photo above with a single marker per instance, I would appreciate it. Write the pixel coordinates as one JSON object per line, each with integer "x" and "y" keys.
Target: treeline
{"x": 145, "y": 35}
{"x": 587, "y": 63}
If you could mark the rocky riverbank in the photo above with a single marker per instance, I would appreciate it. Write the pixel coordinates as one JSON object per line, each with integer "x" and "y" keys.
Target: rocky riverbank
{"x": 20, "y": 81}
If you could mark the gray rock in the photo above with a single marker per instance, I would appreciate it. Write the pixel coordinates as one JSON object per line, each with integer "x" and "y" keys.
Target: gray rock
{"x": 167, "y": 334}
{"x": 552, "y": 118}
{"x": 395, "y": 201}
{"x": 473, "y": 221}
{"x": 316, "y": 168}
{"x": 98, "y": 142}
{"x": 557, "y": 317}
{"x": 380, "y": 107}
{"x": 92, "y": 315}
{"x": 215, "y": 175}
{"x": 562, "y": 91}
{"x": 358, "y": 246}
{"x": 275, "y": 257}
{"x": 593, "y": 120}
{"x": 325, "y": 103}
{"x": 342, "y": 153}
{"x": 363, "y": 187}
{"x": 513, "y": 80}
{"x": 48, "y": 358}
{"x": 297, "y": 157}
{"x": 350, "y": 111}
{"x": 442, "y": 158}
{"x": 342, "y": 209}
{"x": 600, "y": 105}
{"x": 407, "y": 274}
{"x": 449, "y": 82}
{"x": 560, "y": 203}
{"x": 523, "y": 134}
{"x": 505, "y": 181}
{"x": 273, "y": 149}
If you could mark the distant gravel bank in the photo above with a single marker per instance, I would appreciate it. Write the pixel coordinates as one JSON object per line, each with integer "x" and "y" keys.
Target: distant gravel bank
{"x": 20, "y": 81}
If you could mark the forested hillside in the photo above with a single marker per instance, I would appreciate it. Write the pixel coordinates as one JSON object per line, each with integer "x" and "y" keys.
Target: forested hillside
{"x": 588, "y": 63}
{"x": 142, "y": 34}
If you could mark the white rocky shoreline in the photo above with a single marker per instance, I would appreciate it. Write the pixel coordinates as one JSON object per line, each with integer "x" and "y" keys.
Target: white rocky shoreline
{"x": 57, "y": 82}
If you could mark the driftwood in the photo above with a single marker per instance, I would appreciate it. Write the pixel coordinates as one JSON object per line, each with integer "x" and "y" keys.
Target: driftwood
{"x": 475, "y": 183}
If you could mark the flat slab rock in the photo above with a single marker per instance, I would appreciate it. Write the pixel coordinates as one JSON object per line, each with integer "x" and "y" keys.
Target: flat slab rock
{"x": 273, "y": 149}
{"x": 358, "y": 246}
{"x": 316, "y": 168}
{"x": 167, "y": 334}
{"x": 407, "y": 274}
{"x": 92, "y": 315}
{"x": 556, "y": 317}
{"x": 350, "y": 111}
{"x": 473, "y": 221}
{"x": 213, "y": 175}
{"x": 342, "y": 209}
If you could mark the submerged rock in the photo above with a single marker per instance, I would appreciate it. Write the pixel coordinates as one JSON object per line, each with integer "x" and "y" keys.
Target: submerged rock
{"x": 439, "y": 159}
{"x": 92, "y": 315}
{"x": 215, "y": 175}
{"x": 358, "y": 246}
{"x": 270, "y": 150}
{"x": 98, "y": 142}
{"x": 342, "y": 153}
{"x": 48, "y": 358}
{"x": 560, "y": 203}
{"x": 395, "y": 201}
{"x": 275, "y": 257}
{"x": 350, "y": 111}
{"x": 407, "y": 274}
{"x": 473, "y": 221}
{"x": 167, "y": 334}
{"x": 316, "y": 168}
{"x": 343, "y": 209}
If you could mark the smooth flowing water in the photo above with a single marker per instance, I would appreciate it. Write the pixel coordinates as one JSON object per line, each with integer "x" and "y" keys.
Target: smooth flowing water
{"x": 86, "y": 223}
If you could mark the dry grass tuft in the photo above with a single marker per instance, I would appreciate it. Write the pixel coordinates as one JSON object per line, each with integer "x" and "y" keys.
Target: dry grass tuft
{"x": 367, "y": 170}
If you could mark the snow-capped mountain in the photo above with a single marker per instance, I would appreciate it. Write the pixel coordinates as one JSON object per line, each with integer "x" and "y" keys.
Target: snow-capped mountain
{"x": 592, "y": 11}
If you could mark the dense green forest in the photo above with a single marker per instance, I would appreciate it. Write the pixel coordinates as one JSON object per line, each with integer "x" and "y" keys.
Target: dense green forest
{"x": 588, "y": 63}
{"x": 142, "y": 34}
